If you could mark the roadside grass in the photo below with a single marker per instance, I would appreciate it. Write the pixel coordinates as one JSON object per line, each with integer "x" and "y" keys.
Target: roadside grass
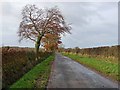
{"x": 36, "y": 77}
{"x": 18, "y": 61}
{"x": 107, "y": 68}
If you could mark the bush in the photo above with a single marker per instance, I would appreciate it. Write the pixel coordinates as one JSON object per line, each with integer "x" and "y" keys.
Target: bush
{"x": 17, "y": 61}
{"x": 105, "y": 52}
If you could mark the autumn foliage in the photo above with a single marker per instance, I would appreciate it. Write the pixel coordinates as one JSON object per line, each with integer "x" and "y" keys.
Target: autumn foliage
{"x": 51, "y": 42}
{"x": 37, "y": 24}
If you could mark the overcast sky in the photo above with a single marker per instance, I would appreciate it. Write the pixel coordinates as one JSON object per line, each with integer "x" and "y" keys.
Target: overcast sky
{"x": 93, "y": 23}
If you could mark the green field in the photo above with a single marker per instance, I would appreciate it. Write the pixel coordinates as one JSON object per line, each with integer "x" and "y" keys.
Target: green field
{"x": 109, "y": 69}
{"x": 37, "y": 77}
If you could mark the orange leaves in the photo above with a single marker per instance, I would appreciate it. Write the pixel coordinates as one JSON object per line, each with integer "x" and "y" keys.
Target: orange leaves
{"x": 50, "y": 47}
{"x": 43, "y": 26}
{"x": 51, "y": 42}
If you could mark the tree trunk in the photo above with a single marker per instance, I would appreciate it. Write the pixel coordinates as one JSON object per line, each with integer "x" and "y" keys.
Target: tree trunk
{"x": 37, "y": 45}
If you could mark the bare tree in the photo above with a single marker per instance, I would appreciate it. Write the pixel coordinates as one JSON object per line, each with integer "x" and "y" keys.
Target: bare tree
{"x": 36, "y": 23}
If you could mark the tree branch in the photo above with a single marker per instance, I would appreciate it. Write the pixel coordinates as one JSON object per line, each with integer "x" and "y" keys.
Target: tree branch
{"x": 34, "y": 24}
{"x": 46, "y": 22}
{"x": 31, "y": 38}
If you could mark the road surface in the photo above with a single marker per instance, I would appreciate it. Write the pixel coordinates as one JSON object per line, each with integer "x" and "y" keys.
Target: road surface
{"x": 67, "y": 73}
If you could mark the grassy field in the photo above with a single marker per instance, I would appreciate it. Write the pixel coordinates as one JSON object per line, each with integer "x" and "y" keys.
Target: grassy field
{"x": 105, "y": 67}
{"x": 37, "y": 77}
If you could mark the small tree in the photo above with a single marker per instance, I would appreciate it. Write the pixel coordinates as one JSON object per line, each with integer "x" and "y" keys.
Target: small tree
{"x": 51, "y": 42}
{"x": 36, "y": 23}
{"x": 77, "y": 49}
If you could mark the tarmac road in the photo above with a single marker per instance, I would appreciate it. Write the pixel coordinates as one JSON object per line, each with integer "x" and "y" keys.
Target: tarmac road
{"x": 67, "y": 73}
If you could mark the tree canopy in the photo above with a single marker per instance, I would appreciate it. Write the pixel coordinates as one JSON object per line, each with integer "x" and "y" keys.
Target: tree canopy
{"x": 37, "y": 23}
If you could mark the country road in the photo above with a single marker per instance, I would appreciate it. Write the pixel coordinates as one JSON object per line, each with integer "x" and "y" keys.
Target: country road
{"x": 67, "y": 73}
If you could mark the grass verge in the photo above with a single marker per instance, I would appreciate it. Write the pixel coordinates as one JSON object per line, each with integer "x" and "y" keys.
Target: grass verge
{"x": 107, "y": 68}
{"x": 36, "y": 77}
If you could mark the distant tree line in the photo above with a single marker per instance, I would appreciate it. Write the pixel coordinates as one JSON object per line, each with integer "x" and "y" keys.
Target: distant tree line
{"x": 105, "y": 51}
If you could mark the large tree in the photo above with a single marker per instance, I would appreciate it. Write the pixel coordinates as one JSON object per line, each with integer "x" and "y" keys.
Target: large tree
{"x": 36, "y": 23}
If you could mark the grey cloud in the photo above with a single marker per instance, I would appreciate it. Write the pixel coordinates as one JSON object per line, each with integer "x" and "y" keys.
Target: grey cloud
{"x": 93, "y": 24}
